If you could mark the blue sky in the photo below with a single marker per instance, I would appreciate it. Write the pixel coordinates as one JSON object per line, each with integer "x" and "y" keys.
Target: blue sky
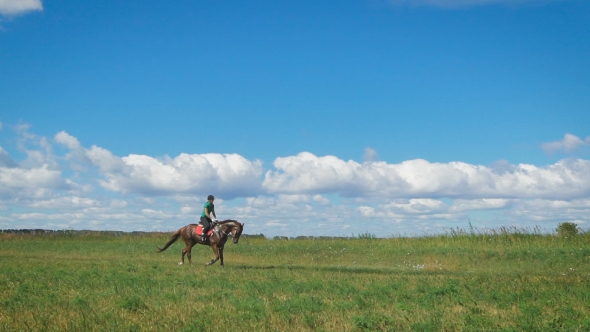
{"x": 302, "y": 117}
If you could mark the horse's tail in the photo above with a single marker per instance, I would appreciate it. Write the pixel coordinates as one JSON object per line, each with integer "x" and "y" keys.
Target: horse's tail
{"x": 173, "y": 239}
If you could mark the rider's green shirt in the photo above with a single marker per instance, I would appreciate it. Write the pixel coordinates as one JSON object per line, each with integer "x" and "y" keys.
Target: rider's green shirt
{"x": 209, "y": 206}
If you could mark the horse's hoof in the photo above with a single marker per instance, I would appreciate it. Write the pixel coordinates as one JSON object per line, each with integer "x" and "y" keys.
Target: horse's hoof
{"x": 180, "y": 263}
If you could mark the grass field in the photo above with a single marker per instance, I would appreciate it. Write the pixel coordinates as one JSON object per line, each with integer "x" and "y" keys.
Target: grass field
{"x": 505, "y": 280}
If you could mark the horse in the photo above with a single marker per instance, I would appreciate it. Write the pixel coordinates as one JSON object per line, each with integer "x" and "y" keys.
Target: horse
{"x": 216, "y": 240}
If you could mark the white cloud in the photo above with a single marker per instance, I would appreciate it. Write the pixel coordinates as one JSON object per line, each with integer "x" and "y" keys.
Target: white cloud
{"x": 568, "y": 144}
{"x": 37, "y": 178}
{"x": 118, "y": 203}
{"x": 400, "y": 210}
{"x": 463, "y": 205}
{"x": 18, "y": 182}
{"x": 65, "y": 203}
{"x": 259, "y": 201}
{"x": 289, "y": 199}
{"x": 307, "y": 173}
{"x": 274, "y": 224}
{"x": 188, "y": 210}
{"x": 68, "y": 140}
{"x": 501, "y": 212}
{"x": 108, "y": 163}
{"x": 417, "y": 206}
{"x": 226, "y": 174}
{"x": 17, "y": 7}
{"x": 38, "y": 149}
{"x": 77, "y": 153}
{"x": 544, "y": 210}
{"x": 321, "y": 200}
{"x": 367, "y": 211}
{"x": 156, "y": 214}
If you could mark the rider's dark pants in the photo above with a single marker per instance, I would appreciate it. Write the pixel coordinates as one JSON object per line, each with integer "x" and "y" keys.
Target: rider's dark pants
{"x": 206, "y": 222}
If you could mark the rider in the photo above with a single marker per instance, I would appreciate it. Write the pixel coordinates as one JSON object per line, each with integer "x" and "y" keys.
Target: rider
{"x": 206, "y": 220}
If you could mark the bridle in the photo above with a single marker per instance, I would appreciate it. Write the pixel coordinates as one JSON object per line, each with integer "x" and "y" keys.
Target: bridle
{"x": 226, "y": 233}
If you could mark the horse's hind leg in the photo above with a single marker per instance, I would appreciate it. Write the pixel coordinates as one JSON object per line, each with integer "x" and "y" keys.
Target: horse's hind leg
{"x": 186, "y": 251}
{"x": 188, "y": 254}
{"x": 182, "y": 256}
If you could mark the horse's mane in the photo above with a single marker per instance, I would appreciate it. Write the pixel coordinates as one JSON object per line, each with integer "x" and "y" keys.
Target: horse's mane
{"x": 226, "y": 221}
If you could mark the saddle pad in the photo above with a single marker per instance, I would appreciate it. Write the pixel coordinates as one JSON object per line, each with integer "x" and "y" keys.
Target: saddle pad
{"x": 199, "y": 230}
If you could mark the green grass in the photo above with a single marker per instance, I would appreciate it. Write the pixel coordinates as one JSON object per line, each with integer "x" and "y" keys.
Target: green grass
{"x": 503, "y": 280}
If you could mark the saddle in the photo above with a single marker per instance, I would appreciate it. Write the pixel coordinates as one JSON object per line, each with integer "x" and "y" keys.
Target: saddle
{"x": 199, "y": 230}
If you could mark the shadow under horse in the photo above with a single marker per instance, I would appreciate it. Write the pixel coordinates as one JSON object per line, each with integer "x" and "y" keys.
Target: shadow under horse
{"x": 216, "y": 240}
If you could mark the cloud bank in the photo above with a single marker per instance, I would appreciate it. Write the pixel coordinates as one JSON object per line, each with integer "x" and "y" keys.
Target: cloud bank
{"x": 307, "y": 173}
{"x": 91, "y": 188}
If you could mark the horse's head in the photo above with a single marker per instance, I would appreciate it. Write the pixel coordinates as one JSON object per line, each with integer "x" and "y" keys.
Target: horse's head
{"x": 236, "y": 231}
{"x": 232, "y": 227}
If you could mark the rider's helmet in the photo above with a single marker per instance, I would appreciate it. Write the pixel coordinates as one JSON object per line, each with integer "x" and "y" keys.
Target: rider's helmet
{"x": 210, "y": 197}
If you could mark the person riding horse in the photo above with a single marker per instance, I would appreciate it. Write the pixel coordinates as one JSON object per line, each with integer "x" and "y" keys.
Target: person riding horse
{"x": 206, "y": 219}
{"x": 216, "y": 241}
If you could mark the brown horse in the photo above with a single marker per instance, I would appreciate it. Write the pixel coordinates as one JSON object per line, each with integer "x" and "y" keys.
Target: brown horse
{"x": 216, "y": 240}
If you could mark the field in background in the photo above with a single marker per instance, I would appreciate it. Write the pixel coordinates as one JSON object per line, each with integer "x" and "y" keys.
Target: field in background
{"x": 502, "y": 280}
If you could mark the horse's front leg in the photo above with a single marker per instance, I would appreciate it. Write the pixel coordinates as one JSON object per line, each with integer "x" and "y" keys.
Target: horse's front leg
{"x": 221, "y": 256}
{"x": 216, "y": 253}
{"x": 189, "y": 255}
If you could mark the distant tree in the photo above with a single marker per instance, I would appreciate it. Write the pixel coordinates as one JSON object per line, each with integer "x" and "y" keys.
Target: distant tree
{"x": 566, "y": 229}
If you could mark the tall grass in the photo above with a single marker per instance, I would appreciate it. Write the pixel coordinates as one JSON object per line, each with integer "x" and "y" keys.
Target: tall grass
{"x": 476, "y": 280}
